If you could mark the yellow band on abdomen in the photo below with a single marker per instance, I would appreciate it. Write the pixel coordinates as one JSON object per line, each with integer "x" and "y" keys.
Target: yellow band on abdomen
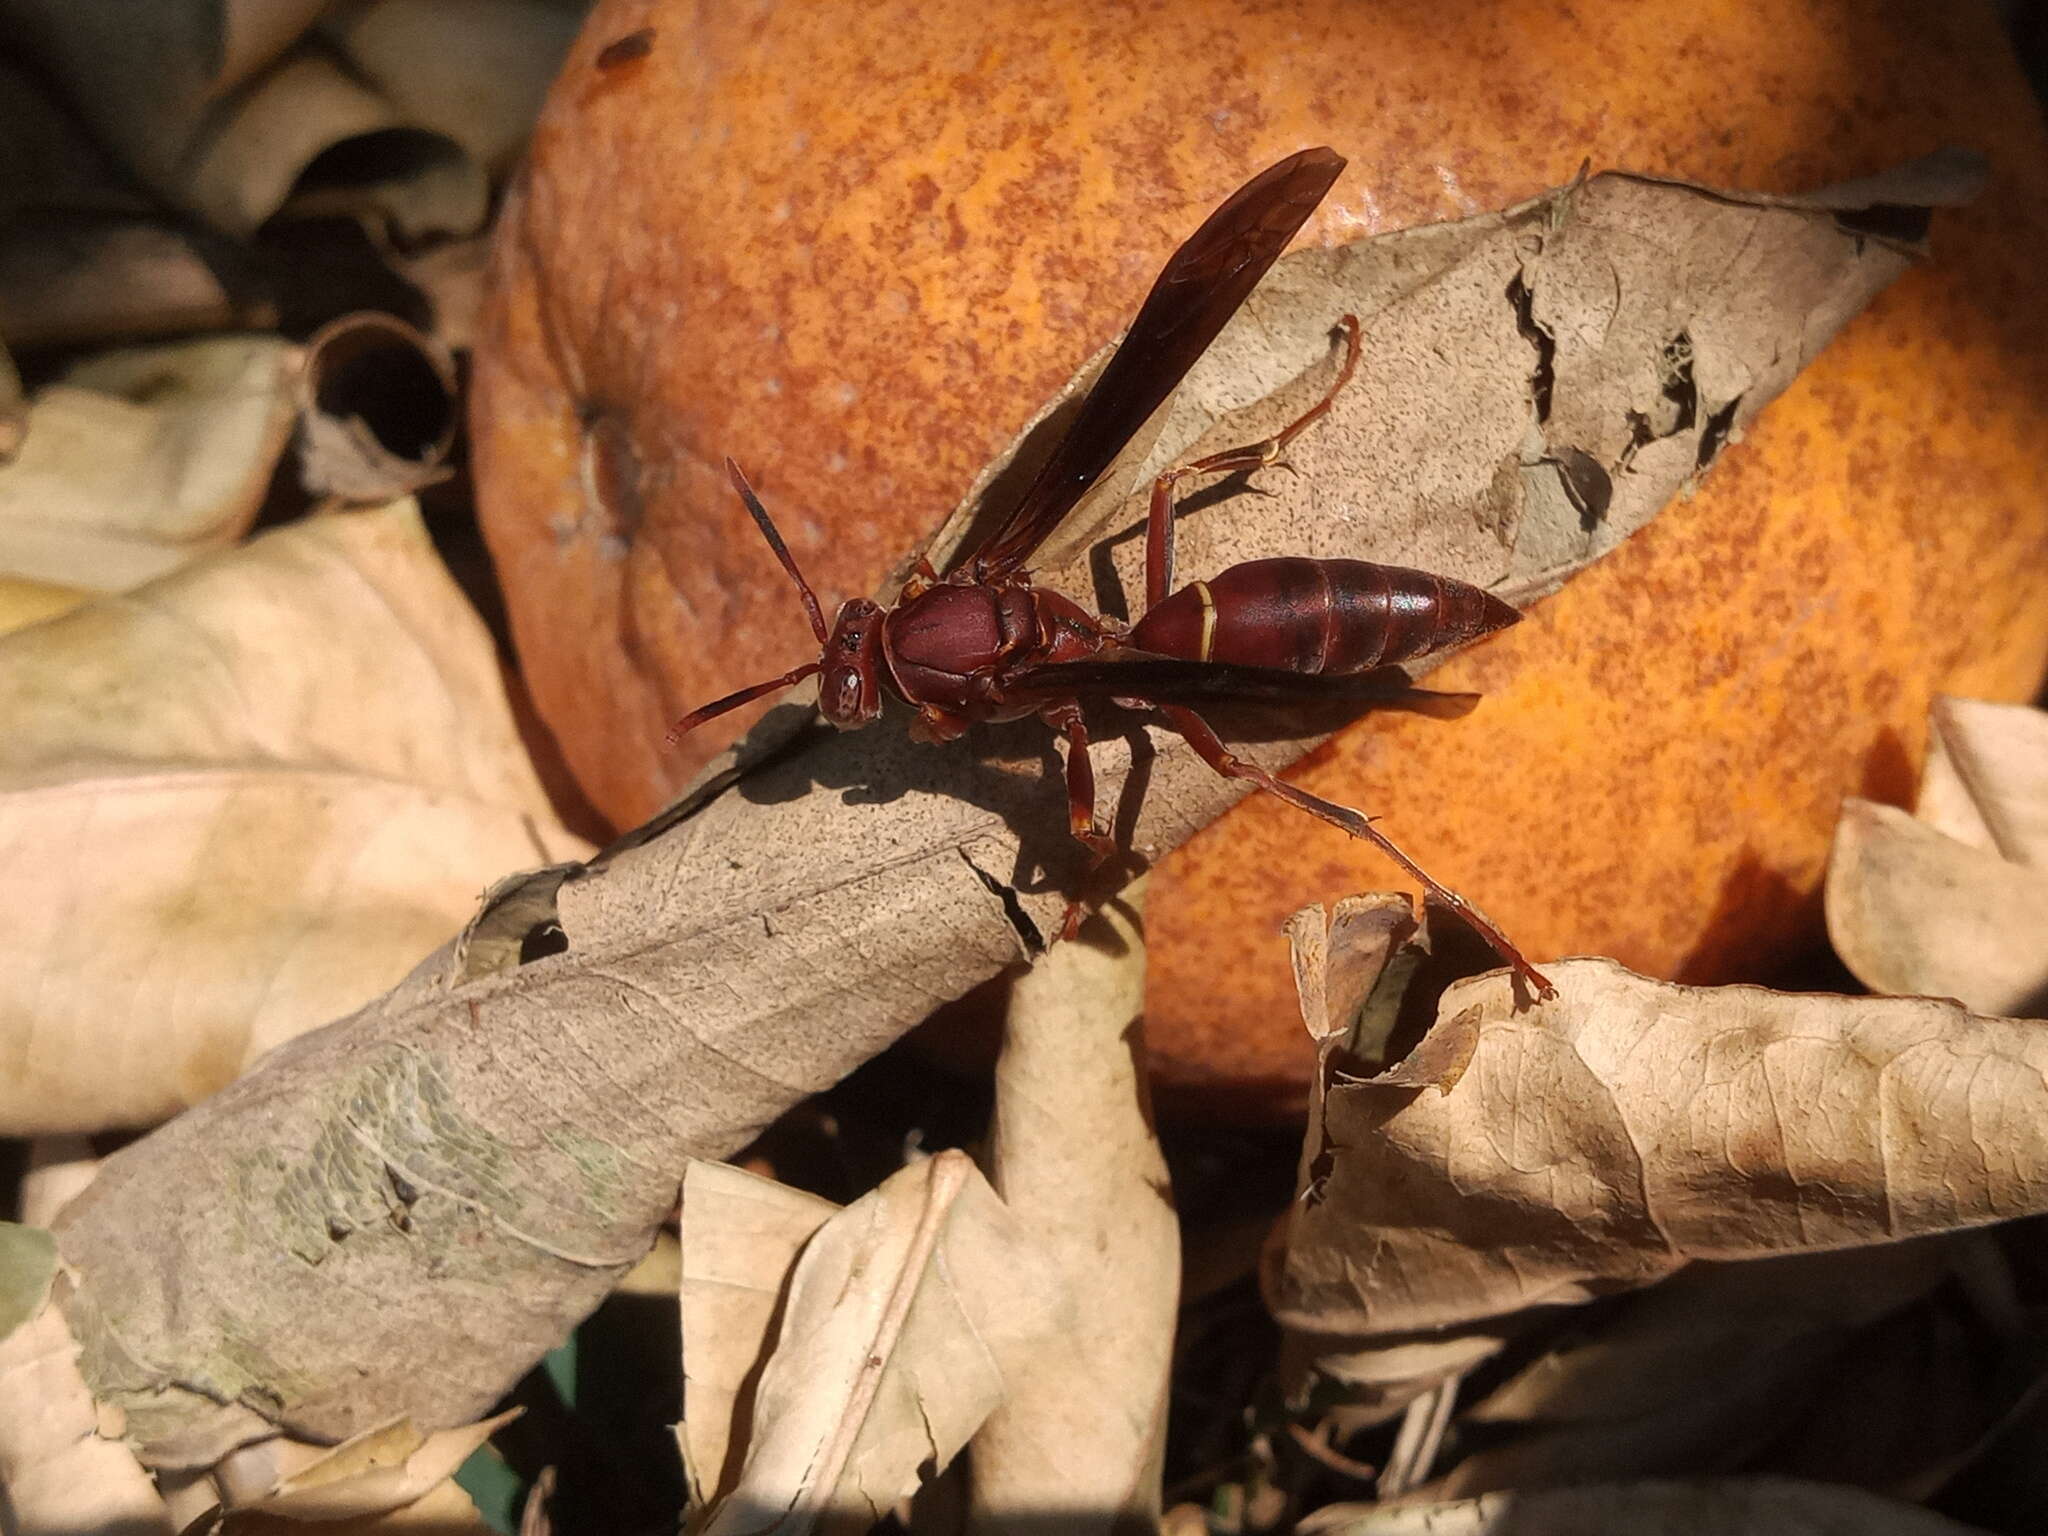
{"x": 1208, "y": 619}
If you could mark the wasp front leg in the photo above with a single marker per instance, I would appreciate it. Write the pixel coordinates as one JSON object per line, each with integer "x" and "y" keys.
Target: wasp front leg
{"x": 1066, "y": 718}
{"x": 921, "y": 580}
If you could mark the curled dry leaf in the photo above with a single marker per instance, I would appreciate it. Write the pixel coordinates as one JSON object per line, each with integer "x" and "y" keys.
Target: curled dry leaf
{"x": 227, "y": 107}
{"x": 1727, "y": 1507}
{"x": 475, "y": 70}
{"x": 84, "y": 255}
{"x": 741, "y": 1237}
{"x": 379, "y": 1471}
{"x": 237, "y": 802}
{"x": 1074, "y": 1156}
{"x": 138, "y": 460}
{"x": 1607, "y": 1138}
{"x": 377, "y": 409}
{"x": 905, "y": 1315}
{"x": 1952, "y": 901}
{"x": 67, "y": 282}
{"x": 811, "y": 901}
{"x": 1985, "y": 784}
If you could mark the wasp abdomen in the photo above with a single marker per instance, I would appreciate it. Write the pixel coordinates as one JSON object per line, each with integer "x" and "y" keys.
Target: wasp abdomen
{"x": 1319, "y": 616}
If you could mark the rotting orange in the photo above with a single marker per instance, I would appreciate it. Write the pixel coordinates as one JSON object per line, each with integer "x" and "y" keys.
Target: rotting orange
{"x": 855, "y": 247}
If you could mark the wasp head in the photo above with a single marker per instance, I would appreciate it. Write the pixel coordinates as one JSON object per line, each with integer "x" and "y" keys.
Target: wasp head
{"x": 850, "y": 692}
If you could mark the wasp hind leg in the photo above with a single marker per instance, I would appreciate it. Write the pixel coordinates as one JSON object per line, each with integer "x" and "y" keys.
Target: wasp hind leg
{"x": 1209, "y": 746}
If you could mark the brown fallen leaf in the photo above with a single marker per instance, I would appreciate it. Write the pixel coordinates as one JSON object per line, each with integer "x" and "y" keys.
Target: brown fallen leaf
{"x": 1080, "y": 1436}
{"x": 226, "y": 107}
{"x": 741, "y": 1238}
{"x": 68, "y": 281}
{"x": 1079, "y": 1428}
{"x": 1953, "y": 900}
{"x": 58, "y": 1168}
{"x": 62, "y": 1464}
{"x": 377, "y": 1472}
{"x": 85, "y": 255}
{"x": 905, "y": 1314}
{"x": 238, "y": 801}
{"x": 377, "y": 409}
{"x": 1546, "y": 338}
{"x": 451, "y": 278}
{"x": 24, "y": 602}
{"x": 1765, "y": 1506}
{"x": 141, "y": 459}
{"x": 813, "y": 898}
{"x": 1606, "y": 1139}
{"x": 1984, "y": 783}
{"x": 1710, "y": 1369}
{"x": 443, "y": 1510}
{"x": 475, "y": 72}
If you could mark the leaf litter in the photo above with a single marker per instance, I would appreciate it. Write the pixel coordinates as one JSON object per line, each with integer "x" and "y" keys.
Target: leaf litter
{"x": 221, "y": 828}
{"x": 1808, "y": 1177}
{"x": 1952, "y": 900}
{"x": 510, "y": 1119}
{"x": 834, "y": 1359}
{"x": 140, "y": 459}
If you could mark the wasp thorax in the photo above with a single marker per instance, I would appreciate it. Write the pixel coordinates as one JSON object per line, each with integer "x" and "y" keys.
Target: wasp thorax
{"x": 850, "y": 691}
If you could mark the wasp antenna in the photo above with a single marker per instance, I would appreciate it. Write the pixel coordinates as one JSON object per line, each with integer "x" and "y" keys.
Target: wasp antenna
{"x": 766, "y": 524}
{"x": 697, "y": 717}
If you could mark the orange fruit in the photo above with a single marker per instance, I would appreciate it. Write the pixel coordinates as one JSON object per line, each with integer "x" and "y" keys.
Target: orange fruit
{"x": 855, "y": 247}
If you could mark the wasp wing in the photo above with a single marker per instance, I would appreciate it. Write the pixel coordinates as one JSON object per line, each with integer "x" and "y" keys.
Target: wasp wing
{"x": 1202, "y": 285}
{"x": 1172, "y": 680}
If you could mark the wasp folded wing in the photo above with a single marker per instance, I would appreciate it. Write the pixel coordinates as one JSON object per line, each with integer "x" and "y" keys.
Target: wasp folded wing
{"x": 1203, "y": 284}
{"x": 1173, "y": 680}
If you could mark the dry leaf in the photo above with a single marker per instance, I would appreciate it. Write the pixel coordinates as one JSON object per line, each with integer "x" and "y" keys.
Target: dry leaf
{"x": 1339, "y": 959}
{"x": 67, "y": 281}
{"x": 377, "y": 1472}
{"x": 237, "y": 802}
{"x": 443, "y": 1510}
{"x": 1552, "y": 341}
{"x": 60, "y": 1473}
{"x": 1705, "y": 1370}
{"x": 28, "y": 1263}
{"x": 24, "y": 602}
{"x": 903, "y": 1313}
{"x": 225, "y": 106}
{"x": 597, "y": 1025}
{"x": 1764, "y": 1506}
{"x": 1953, "y": 901}
{"x": 141, "y": 459}
{"x": 1607, "y": 1138}
{"x": 741, "y": 1237}
{"x": 59, "y": 1167}
{"x": 474, "y": 70}
{"x": 377, "y": 409}
{"x": 85, "y": 256}
{"x": 1073, "y": 1154}
{"x": 660, "y": 1273}
{"x": 13, "y": 407}
{"x": 451, "y": 277}
{"x": 1984, "y": 783}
